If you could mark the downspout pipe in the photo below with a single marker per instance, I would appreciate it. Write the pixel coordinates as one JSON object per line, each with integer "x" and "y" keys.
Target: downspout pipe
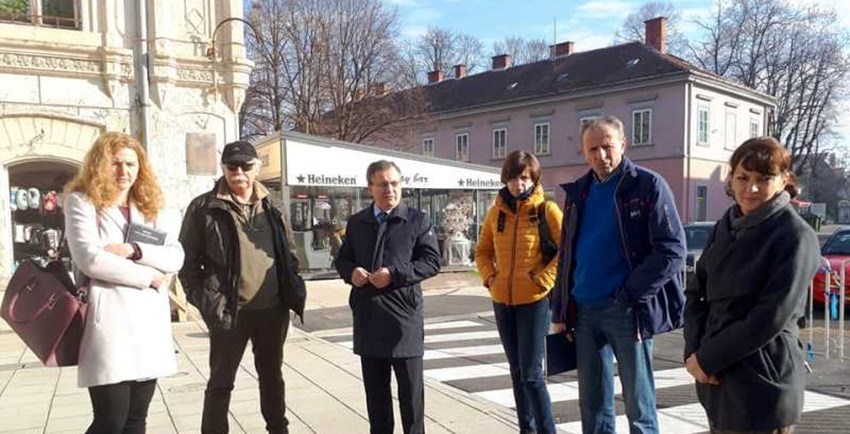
{"x": 142, "y": 71}
{"x": 688, "y": 151}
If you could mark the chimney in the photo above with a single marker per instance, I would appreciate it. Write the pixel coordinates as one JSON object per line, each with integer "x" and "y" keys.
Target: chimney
{"x": 656, "y": 33}
{"x": 460, "y": 71}
{"x": 435, "y": 76}
{"x": 502, "y": 61}
{"x": 380, "y": 88}
{"x": 562, "y": 49}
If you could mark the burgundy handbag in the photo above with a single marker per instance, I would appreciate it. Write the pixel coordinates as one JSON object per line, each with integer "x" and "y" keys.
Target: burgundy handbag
{"x": 47, "y": 311}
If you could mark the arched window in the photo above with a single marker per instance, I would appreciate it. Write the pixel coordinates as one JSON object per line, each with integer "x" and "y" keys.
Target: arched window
{"x": 61, "y": 14}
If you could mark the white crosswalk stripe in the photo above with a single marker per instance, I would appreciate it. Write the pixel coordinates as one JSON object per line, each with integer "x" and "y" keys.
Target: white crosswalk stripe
{"x": 482, "y": 350}
{"x": 568, "y": 391}
{"x": 346, "y": 331}
{"x": 690, "y": 419}
{"x": 433, "y": 339}
{"x": 464, "y": 354}
{"x": 466, "y": 372}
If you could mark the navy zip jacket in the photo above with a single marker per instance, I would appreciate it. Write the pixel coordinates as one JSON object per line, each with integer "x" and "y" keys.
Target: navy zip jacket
{"x": 652, "y": 240}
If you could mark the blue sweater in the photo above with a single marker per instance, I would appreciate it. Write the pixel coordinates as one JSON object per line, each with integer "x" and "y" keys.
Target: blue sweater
{"x": 601, "y": 265}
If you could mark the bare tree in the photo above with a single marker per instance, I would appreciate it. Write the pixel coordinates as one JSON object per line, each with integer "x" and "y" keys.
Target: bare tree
{"x": 634, "y": 29}
{"x": 796, "y": 54}
{"x": 522, "y": 50}
{"x": 317, "y": 61}
{"x": 440, "y": 49}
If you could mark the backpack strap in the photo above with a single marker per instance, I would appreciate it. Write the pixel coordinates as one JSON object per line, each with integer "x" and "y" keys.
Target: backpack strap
{"x": 547, "y": 246}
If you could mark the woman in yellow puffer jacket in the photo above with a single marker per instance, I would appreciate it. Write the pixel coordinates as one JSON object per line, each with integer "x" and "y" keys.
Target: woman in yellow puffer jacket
{"x": 510, "y": 260}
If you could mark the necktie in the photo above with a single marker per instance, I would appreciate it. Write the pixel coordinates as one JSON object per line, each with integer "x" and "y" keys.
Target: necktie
{"x": 380, "y": 240}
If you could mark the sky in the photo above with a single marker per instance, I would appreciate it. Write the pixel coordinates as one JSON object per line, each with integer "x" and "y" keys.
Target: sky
{"x": 589, "y": 23}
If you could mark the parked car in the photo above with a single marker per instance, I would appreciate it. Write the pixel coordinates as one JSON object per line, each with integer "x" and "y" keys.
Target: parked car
{"x": 835, "y": 250}
{"x": 696, "y": 236}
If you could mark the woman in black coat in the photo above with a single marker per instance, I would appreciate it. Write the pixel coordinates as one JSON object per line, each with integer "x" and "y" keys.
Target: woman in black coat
{"x": 741, "y": 334}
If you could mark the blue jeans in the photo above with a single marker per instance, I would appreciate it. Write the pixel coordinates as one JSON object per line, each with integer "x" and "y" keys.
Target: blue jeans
{"x": 603, "y": 331}
{"x": 522, "y": 330}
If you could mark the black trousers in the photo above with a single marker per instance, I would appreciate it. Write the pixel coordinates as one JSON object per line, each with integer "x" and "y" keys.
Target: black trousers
{"x": 411, "y": 393}
{"x": 121, "y": 408}
{"x": 266, "y": 329}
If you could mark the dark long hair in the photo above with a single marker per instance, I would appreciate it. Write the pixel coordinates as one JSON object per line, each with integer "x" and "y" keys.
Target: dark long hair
{"x": 767, "y": 156}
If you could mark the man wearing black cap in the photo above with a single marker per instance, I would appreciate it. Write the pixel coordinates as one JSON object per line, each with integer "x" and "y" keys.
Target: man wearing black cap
{"x": 240, "y": 272}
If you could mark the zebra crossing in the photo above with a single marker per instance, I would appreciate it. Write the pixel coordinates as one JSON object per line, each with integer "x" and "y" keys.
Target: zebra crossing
{"x": 467, "y": 355}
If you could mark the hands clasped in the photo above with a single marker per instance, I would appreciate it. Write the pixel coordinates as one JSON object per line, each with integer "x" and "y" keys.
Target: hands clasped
{"x": 693, "y": 367}
{"x": 125, "y": 250}
{"x": 379, "y": 279}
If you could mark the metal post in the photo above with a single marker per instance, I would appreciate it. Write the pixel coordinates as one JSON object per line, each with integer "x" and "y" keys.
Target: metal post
{"x": 842, "y": 297}
{"x": 811, "y": 315}
{"x": 826, "y": 313}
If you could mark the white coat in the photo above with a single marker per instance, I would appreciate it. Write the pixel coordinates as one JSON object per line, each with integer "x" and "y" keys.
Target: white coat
{"x": 128, "y": 323}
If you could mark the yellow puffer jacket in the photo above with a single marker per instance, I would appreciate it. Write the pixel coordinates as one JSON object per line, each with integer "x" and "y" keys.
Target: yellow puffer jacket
{"x": 512, "y": 257}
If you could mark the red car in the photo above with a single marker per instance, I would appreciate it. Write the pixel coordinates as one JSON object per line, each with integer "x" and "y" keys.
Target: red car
{"x": 835, "y": 250}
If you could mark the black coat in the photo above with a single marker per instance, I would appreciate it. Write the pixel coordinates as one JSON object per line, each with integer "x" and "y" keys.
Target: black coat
{"x": 389, "y": 322}
{"x": 211, "y": 268}
{"x": 741, "y": 321}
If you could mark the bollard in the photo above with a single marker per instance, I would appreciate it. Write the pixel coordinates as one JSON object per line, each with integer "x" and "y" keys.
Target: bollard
{"x": 842, "y": 300}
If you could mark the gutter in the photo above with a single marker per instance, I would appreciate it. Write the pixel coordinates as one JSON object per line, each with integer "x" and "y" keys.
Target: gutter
{"x": 688, "y": 143}
{"x": 142, "y": 76}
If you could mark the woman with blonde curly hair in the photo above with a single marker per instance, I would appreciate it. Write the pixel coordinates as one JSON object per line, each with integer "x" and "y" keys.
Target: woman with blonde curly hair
{"x": 127, "y": 341}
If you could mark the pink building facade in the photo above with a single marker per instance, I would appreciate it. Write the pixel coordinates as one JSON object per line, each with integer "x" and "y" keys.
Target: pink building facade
{"x": 679, "y": 121}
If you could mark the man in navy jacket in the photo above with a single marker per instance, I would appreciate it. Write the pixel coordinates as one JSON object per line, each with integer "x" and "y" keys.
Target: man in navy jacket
{"x": 388, "y": 249}
{"x": 619, "y": 280}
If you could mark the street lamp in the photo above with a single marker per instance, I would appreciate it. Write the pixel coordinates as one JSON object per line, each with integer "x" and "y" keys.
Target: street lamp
{"x": 211, "y": 52}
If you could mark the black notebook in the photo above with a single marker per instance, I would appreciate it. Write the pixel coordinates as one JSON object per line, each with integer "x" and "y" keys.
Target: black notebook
{"x": 560, "y": 354}
{"x": 145, "y": 234}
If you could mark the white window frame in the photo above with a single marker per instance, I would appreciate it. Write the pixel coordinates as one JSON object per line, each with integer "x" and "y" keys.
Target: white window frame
{"x": 500, "y": 144}
{"x": 428, "y": 148}
{"x": 637, "y": 135}
{"x": 703, "y": 108}
{"x": 583, "y": 120}
{"x": 541, "y": 147}
{"x": 36, "y": 14}
{"x": 730, "y": 132}
{"x": 462, "y": 147}
{"x": 755, "y": 127}
{"x": 696, "y": 201}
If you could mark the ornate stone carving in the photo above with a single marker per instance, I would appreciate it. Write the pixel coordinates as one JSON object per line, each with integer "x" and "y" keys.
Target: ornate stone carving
{"x": 50, "y": 63}
{"x": 198, "y": 75}
{"x": 201, "y": 120}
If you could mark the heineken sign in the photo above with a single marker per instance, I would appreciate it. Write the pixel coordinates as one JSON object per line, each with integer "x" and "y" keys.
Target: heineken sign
{"x": 339, "y": 166}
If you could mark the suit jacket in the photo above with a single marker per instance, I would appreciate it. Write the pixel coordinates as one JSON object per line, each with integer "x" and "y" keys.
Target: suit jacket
{"x": 128, "y": 323}
{"x": 388, "y": 322}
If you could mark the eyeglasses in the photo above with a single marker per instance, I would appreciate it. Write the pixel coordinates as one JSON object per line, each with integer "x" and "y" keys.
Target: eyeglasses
{"x": 246, "y": 167}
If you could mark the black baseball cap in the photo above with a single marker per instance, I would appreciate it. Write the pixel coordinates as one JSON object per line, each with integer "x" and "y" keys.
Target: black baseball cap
{"x": 238, "y": 152}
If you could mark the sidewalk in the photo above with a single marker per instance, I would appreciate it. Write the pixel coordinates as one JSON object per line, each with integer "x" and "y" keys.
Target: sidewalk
{"x": 324, "y": 391}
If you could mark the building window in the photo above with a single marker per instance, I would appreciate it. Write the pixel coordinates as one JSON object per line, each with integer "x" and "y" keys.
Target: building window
{"x": 462, "y": 147}
{"x": 61, "y": 14}
{"x": 703, "y": 125}
{"x": 428, "y": 147}
{"x": 731, "y": 133}
{"x": 582, "y": 121}
{"x": 755, "y": 127}
{"x": 541, "y": 139}
{"x": 642, "y": 127}
{"x": 500, "y": 142}
{"x": 702, "y": 203}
